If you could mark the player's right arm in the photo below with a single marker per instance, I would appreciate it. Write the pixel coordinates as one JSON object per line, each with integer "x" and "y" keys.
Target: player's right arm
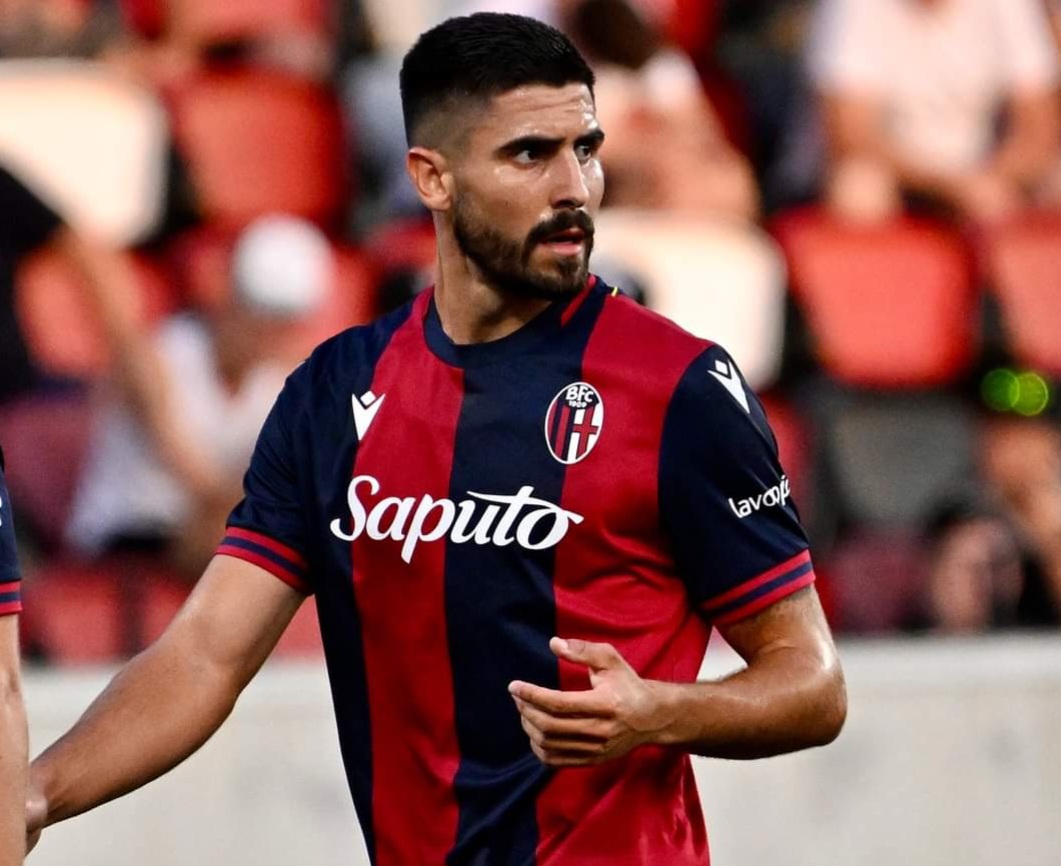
{"x": 167, "y": 701}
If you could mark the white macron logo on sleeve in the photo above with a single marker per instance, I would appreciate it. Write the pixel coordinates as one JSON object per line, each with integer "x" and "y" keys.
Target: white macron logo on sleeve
{"x": 729, "y": 378}
{"x": 777, "y": 495}
{"x": 365, "y": 408}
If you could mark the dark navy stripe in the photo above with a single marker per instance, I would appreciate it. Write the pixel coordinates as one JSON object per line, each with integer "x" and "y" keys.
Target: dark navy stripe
{"x": 348, "y": 370}
{"x": 500, "y": 604}
{"x": 760, "y": 591}
{"x": 271, "y": 555}
{"x": 10, "y": 597}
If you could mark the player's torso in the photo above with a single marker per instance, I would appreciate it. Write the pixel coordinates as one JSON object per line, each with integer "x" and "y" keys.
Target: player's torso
{"x": 477, "y": 503}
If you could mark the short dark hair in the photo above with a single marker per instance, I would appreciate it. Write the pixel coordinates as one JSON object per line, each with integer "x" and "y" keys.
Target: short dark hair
{"x": 480, "y": 56}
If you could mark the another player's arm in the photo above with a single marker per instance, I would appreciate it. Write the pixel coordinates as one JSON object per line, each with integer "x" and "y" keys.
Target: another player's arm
{"x": 167, "y": 701}
{"x": 13, "y": 746}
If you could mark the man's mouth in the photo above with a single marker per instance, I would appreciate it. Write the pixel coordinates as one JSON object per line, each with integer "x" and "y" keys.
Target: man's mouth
{"x": 567, "y": 242}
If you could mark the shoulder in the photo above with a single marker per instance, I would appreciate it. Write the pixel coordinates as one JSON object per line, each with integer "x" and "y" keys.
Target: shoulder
{"x": 629, "y": 330}
{"x": 339, "y": 364}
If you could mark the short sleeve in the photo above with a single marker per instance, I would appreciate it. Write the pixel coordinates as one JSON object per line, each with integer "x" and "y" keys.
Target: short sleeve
{"x": 843, "y": 50}
{"x": 268, "y": 527}
{"x": 1029, "y": 53}
{"x": 725, "y": 501}
{"x": 26, "y": 222}
{"x": 10, "y": 580}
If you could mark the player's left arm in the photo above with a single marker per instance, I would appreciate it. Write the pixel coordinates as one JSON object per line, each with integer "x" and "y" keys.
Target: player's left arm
{"x": 737, "y": 539}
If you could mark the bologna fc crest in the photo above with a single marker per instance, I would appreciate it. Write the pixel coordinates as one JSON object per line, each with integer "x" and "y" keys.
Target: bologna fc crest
{"x": 574, "y": 422}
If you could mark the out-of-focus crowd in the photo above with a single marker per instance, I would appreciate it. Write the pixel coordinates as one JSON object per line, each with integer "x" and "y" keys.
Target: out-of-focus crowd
{"x": 860, "y": 199}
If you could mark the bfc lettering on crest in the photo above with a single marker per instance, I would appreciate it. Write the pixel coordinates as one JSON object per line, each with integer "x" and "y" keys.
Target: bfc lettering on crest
{"x": 484, "y": 518}
{"x": 574, "y": 422}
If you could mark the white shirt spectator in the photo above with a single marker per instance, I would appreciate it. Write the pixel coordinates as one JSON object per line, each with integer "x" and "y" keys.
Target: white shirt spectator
{"x": 125, "y": 489}
{"x": 942, "y": 69}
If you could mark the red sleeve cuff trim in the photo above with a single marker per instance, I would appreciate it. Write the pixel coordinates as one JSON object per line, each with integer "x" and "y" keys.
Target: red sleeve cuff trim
{"x": 751, "y": 585}
{"x": 276, "y": 570}
{"x": 10, "y": 607}
{"x": 764, "y": 601}
{"x": 268, "y": 543}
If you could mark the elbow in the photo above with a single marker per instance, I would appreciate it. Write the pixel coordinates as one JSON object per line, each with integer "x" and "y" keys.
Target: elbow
{"x": 831, "y": 709}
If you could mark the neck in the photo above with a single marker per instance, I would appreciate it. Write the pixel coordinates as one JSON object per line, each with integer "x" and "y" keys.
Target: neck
{"x": 470, "y": 308}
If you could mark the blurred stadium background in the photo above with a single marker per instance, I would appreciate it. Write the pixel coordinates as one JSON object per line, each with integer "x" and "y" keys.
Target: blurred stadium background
{"x": 882, "y": 258}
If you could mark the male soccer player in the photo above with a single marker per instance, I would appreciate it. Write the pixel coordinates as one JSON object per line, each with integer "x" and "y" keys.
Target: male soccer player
{"x": 13, "y": 738}
{"x": 519, "y": 454}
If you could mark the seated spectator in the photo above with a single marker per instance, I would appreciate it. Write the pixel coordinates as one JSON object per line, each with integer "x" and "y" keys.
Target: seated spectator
{"x": 913, "y": 93}
{"x": 166, "y": 464}
{"x": 666, "y": 149}
{"x": 1022, "y": 464}
{"x": 974, "y": 580}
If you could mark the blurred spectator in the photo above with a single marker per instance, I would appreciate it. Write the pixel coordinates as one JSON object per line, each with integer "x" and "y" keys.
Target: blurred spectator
{"x": 1022, "y": 464}
{"x": 666, "y": 149}
{"x": 27, "y": 224}
{"x": 56, "y": 28}
{"x": 974, "y": 579}
{"x": 914, "y": 92}
{"x": 174, "y": 438}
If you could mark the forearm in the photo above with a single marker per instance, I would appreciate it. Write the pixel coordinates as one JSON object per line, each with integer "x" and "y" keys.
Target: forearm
{"x": 784, "y": 701}
{"x": 161, "y": 708}
{"x": 13, "y": 755}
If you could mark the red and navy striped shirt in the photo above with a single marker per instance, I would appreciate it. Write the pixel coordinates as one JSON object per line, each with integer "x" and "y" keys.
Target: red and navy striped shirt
{"x": 10, "y": 596}
{"x": 598, "y": 474}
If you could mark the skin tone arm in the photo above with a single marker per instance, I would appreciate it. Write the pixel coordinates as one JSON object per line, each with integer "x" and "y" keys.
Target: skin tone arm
{"x": 140, "y": 372}
{"x": 853, "y": 127}
{"x": 165, "y": 703}
{"x": 13, "y": 740}
{"x": 791, "y": 696}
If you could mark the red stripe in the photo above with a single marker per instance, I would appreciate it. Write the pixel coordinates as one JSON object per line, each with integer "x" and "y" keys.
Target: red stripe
{"x": 10, "y": 587}
{"x": 753, "y": 584}
{"x": 563, "y": 429}
{"x": 275, "y": 569}
{"x": 614, "y": 582}
{"x": 269, "y": 544}
{"x": 764, "y": 601}
{"x": 579, "y": 300}
{"x": 415, "y": 754}
{"x": 9, "y": 607}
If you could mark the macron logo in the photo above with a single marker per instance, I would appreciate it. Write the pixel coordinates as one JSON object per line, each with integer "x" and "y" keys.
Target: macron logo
{"x": 365, "y": 409}
{"x": 729, "y": 378}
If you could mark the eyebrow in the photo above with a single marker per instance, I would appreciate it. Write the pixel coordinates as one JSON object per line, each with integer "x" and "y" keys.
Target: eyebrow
{"x": 541, "y": 142}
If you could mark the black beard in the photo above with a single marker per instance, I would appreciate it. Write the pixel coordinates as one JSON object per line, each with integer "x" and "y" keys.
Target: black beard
{"x": 506, "y": 263}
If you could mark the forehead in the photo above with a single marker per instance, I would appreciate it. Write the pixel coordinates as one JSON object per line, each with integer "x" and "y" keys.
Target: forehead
{"x": 539, "y": 110}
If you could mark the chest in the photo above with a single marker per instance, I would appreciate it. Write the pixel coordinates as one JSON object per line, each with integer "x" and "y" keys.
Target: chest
{"x": 516, "y": 457}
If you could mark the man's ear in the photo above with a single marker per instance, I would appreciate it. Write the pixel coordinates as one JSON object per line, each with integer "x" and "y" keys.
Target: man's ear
{"x": 429, "y": 172}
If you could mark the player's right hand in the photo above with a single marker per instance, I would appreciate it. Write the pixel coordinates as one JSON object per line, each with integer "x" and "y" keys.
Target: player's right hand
{"x": 36, "y": 815}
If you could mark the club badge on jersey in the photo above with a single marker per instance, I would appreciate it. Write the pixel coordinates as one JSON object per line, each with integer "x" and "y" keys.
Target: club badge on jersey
{"x": 574, "y": 422}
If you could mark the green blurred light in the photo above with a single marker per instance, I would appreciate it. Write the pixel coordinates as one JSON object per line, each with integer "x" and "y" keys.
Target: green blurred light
{"x": 1033, "y": 395}
{"x": 1001, "y": 390}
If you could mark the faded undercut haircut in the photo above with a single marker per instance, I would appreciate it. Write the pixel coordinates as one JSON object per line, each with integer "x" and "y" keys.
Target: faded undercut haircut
{"x": 469, "y": 60}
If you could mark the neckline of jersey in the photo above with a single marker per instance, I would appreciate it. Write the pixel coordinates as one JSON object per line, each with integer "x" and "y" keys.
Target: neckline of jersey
{"x": 550, "y": 322}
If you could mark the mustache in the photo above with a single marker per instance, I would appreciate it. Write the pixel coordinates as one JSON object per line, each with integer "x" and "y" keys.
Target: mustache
{"x": 568, "y": 219}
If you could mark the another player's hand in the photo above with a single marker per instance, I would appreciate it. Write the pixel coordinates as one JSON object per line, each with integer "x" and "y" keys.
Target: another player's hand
{"x": 579, "y": 729}
{"x": 36, "y": 815}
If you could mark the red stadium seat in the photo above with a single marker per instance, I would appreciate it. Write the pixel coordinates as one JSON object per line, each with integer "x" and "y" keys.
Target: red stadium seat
{"x": 258, "y": 142}
{"x": 61, "y": 331}
{"x": 892, "y": 306}
{"x": 302, "y": 638}
{"x": 1024, "y": 266}
{"x": 210, "y": 21}
{"x": 74, "y": 614}
{"x": 45, "y": 439}
{"x": 407, "y": 244}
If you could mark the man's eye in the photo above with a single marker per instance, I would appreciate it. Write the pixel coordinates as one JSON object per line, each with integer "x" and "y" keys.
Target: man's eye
{"x": 528, "y": 155}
